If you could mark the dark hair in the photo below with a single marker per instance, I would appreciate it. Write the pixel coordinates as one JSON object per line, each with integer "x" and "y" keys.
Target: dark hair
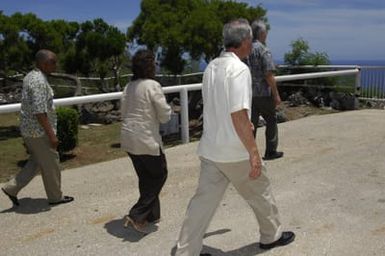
{"x": 143, "y": 65}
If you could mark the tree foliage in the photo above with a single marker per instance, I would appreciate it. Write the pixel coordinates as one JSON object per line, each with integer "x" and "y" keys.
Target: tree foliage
{"x": 92, "y": 47}
{"x": 99, "y": 48}
{"x": 175, "y": 29}
{"x": 300, "y": 55}
{"x": 187, "y": 26}
{"x": 14, "y": 51}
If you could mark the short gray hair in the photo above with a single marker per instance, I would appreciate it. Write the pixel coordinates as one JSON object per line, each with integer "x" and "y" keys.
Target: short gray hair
{"x": 44, "y": 56}
{"x": 235, "y": 32}
{"x": 258, "y": 28}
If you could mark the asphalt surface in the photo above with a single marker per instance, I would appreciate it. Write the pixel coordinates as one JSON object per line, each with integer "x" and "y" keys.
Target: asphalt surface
{"x": 329, "y": 187}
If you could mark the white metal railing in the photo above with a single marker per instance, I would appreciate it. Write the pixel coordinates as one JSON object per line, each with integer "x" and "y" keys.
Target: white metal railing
{"x": 17, "y": 75}
{"x": 373, "y": 83}
{"x": 321, "y": 66}
{"x": 183, "y": 92}
{"x": 157, "y": 75}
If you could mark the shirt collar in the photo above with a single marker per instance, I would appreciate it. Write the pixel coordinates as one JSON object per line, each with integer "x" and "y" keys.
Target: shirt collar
{"x": 229, "y": 54}
{"x": 39, "y": 71}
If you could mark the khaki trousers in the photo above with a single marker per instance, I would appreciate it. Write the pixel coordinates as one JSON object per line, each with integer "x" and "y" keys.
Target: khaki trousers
{"x": 43, "y": 156}
{"x": 213, "y": 181}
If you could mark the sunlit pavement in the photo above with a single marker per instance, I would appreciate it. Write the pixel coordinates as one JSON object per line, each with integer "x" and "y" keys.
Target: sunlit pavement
{"x": 330, "y": 189}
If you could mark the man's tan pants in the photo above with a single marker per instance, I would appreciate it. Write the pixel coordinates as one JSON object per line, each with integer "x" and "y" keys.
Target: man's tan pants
{"x": 213, "y": 181}
{"x": 45, "y": 157}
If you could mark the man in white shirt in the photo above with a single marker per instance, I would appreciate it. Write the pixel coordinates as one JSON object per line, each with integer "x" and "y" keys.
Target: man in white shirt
{"x": 227, "y": 149}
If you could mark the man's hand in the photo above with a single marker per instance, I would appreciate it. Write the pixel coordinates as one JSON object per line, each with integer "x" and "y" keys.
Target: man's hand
{"x": 270, "y": 79}
{"x": 54, "y": 141}
{"x": 256, "y": 166}
{"x": 244, "y": 129}
{"x": 43, "y": 121}
{"x": 277, "y": 100}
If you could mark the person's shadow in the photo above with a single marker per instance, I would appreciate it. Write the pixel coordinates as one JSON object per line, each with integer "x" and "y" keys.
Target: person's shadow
{"x": 116, "y": 228}
{"x": 247, "y": 250}
{"x": 30, "y": 206}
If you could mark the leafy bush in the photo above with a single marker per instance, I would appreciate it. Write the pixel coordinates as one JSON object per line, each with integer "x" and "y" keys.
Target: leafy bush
{"x": 67, "y": 129}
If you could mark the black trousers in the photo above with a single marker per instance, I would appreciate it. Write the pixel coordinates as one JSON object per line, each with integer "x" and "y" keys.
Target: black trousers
{"x": 265, "y": 107}
{"x": 152, "y": 174}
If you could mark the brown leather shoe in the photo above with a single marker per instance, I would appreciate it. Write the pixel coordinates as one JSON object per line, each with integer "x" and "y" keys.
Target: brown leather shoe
{"x": 140, "y": 227}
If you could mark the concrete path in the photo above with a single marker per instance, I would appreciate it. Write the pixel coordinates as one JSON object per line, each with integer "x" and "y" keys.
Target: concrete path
{"x": 330, "y": 189}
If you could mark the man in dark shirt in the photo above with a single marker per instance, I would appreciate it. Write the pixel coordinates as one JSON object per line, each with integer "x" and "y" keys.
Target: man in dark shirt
{"x": 265, "y": 93}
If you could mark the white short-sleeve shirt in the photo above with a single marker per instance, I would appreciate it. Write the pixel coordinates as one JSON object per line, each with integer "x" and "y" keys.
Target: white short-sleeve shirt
{"x": 226, "y": 89}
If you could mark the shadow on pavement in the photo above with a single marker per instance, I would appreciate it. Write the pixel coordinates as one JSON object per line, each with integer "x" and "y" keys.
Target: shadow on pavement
{"x": 30, "y": 206}
{"x": 218, "y": 232}
{"x": 248, "y": 250}
{"x": 115, "y": 228}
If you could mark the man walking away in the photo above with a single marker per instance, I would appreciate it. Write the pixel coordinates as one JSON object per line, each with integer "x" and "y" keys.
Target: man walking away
{"x": 265, "y": 93}
{"x": 227, "y": 149}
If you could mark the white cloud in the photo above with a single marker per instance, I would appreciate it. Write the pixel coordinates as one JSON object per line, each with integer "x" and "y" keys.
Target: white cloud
{"x": 350, "y": 33}
{"x": 122, "y": 25}
{"x": 345, "y": 29}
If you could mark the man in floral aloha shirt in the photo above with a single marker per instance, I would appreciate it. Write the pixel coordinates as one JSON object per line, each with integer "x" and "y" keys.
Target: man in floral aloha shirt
{"x": 38, "y": 129}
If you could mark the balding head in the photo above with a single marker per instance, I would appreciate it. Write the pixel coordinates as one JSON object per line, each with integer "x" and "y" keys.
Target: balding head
{"x": 46, "y": 61}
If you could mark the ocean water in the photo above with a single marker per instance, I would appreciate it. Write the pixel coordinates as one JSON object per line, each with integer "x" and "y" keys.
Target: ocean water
{"x": 359, "y": 62}
{"x": 350, "y": 62}
{"x": 372, "y": 76}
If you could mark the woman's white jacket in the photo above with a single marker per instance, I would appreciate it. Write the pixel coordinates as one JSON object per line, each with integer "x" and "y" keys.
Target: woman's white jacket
{"x": 143, "y": 108}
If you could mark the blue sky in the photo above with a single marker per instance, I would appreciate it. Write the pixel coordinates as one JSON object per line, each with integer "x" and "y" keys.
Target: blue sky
{"x": 345, "y": 29}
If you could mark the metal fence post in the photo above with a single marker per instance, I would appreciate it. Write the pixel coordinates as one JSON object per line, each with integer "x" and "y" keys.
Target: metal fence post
{"x": 184, "y": 115}
{"x": 357, "y": 92}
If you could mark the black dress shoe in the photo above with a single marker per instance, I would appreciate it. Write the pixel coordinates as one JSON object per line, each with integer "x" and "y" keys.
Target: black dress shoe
{"x": 273, "y": 155}
{"x": 14, "y": 199}
{"x": 286, "y": 238}
{"x": 64, "y": 200}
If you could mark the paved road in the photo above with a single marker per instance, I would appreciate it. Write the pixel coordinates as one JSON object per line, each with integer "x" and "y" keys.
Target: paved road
{"x": 330, "y": 189}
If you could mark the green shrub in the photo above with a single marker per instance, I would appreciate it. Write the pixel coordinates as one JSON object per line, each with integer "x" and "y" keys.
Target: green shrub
{"x": 67, "y": 129}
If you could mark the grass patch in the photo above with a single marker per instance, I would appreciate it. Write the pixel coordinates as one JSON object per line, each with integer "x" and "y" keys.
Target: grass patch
{"x": 12, "y": 151}
{"x": 96, "y": 144}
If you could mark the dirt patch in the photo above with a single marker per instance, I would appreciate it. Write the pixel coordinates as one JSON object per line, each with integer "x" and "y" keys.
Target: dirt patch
{"x": 39, "y": 234}
{"x": 293, "y": 113}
